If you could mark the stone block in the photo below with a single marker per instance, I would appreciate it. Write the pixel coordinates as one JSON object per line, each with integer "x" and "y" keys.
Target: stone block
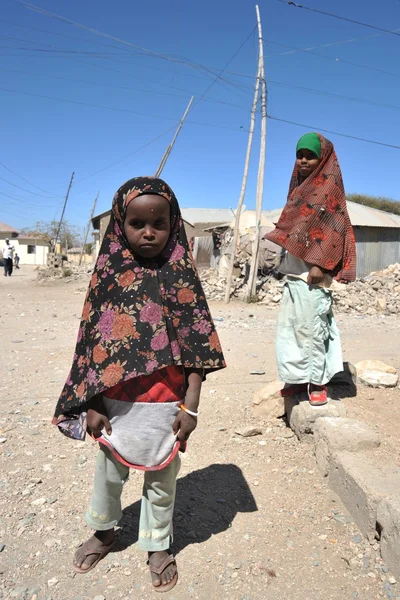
{"x": 377, "y": 374}
{"x": 336, "y": 434}
{"x": 268, "y": 402}
{"x": 388, "y": 519}
{"x": 302, "y": 416}
{"x": 362, "y": 483}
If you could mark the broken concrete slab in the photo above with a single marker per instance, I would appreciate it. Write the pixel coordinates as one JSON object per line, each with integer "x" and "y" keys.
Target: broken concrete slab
{"x": 336, "y": 434}
{"x": 302, "y": 416}
{"x": 388, "y": 519}
{"x": 375, "y": 373}
{"x": 268, "y": 402}
{"x": 362, "y": 483}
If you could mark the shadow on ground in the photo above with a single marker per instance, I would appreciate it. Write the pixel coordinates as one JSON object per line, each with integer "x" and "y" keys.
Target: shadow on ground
{"x": 206, "y": 504}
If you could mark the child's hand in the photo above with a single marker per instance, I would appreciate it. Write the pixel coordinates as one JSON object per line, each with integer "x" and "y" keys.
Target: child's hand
{"x": 183, "y": 425}
{"x": 97, "y": 421}
{"x": 315, "y": 276}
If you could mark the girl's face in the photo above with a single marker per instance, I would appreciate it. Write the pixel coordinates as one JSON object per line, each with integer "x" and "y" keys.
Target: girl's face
{"x": 306, "y": 162}
{"x": 147, "y": 225}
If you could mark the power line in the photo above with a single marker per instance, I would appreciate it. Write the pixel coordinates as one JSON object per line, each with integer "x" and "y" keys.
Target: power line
{"x": 327, "y": 14}
{"x": 121, "y": 87}
{"x": 127, "y": 156}
{"x": 351, "y": 137}
{"x": 225, "y": 66}
{"x": 151, "y": 53}
{"x": 338, "y": 60}
{"x": 123, "y": 110}
{"x": 26, "y": 181}
{"x": 332, "y": 95}
{"x": 26, "y": 202}
{"x": 23, "y": 189}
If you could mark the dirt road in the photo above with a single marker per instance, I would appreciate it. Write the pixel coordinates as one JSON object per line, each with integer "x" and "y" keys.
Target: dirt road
{"x": 254, "y": 519}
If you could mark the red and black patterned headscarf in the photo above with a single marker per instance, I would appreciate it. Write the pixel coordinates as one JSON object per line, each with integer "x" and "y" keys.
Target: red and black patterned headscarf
{"x": 315, "y": 225}
{"x": 139, "y": 316}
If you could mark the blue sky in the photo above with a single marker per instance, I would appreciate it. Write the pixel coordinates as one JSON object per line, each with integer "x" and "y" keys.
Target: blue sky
{"x": 116, "y": 99}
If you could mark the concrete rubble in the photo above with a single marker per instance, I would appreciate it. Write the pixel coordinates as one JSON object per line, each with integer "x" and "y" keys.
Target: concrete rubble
{"x": 378, "y": 293}
{"x": 376, "y": 374}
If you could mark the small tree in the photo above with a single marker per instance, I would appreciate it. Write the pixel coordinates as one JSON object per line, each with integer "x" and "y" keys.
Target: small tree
{"x": 47, "y": 231}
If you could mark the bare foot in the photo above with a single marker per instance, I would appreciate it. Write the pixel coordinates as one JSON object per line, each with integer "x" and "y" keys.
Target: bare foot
{"x": 156, "y": 559}
{"x": 93, "y": 550}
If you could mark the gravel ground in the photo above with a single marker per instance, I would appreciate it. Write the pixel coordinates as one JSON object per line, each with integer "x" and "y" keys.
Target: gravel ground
{"x": 254, "y": 519}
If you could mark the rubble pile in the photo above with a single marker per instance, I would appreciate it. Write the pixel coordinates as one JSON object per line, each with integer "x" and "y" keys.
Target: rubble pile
{"x": 68, "y": 272}
{"x": 379, "y": 292}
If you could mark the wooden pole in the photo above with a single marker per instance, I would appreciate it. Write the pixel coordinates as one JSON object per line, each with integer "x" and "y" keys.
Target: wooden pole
{"x": 169, "y": 149}
{"x": 63, "y": 211}
{"x": 252, "y": 284}
{"x": 243, "y": 189}
{"x": 88, "y": 228}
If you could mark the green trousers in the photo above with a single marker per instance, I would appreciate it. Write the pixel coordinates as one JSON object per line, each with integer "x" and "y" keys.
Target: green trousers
{"x": 157, "y": 506}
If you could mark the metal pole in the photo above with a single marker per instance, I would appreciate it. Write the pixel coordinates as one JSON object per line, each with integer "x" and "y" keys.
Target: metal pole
{"x": 169, "y": 149}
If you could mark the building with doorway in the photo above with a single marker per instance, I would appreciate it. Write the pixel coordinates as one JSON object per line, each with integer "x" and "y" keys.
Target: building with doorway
{"x": 31, "y": 251}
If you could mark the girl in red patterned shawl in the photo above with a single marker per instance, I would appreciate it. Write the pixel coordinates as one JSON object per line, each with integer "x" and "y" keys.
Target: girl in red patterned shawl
{"x": 315, "y": 231}
{"x": 145, "y": 343}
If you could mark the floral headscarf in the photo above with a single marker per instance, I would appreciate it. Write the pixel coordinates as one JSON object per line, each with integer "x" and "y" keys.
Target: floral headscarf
{"x": 315, "y": 225}
{"x": 139, "y": 315}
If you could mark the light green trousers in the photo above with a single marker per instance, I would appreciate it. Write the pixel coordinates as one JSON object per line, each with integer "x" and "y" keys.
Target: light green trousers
{"x": 157, "y": 507}
{"x": 308, "y": 348}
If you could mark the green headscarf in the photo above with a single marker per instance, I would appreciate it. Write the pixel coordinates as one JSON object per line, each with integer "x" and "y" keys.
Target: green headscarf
{"x": 310, "y": 141}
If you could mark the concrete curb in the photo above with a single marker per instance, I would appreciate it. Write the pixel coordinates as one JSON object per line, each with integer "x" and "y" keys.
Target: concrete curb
{"x": 368, "y": 488}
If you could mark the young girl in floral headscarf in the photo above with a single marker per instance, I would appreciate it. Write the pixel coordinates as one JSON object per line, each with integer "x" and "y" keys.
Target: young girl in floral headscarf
{"x": 145, "y": 343}
{"x": 315, "y": 230}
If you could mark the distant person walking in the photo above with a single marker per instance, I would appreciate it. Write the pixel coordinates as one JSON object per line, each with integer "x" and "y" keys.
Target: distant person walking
{"x": 8, "y": 252}
{"x": 315, "y": 231}
{"x": 16, "y": 261}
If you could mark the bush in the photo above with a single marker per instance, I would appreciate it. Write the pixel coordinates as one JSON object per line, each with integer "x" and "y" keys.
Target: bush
{"x": 385, "y": 204}
{"x": 67, "y": 272}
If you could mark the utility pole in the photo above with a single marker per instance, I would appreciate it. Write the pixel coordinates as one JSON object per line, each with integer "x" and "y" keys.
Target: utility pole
{"x": 63, "y": 211}
{"x": 252, "y": 284}
{"x": 243, "y": 189}
{"x": 88, "y": 228}
{"x": 169, "y": 149}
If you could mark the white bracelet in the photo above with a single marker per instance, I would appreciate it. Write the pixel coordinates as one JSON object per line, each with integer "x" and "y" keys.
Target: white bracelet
{"x": 189, "y": 412}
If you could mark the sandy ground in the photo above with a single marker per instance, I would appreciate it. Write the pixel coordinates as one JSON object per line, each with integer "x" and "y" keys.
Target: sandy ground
{"x": 254, "y": 519}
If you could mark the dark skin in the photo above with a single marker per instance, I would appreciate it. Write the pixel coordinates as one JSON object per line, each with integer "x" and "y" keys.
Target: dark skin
{"x": 147, "y": 228}
{"x": 306, "y": 162}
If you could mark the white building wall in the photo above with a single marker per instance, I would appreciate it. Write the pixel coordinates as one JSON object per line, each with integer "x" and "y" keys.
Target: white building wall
{"x": 21, "y": 246}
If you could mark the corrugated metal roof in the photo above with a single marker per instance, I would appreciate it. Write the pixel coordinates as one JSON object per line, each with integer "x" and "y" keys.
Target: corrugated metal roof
{"x": 4, "y": 228}
{"x": 207, "y": 215}
{"x": 360, "y": 216}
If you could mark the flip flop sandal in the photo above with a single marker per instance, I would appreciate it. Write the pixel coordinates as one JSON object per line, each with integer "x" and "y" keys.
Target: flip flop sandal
{"x": 318, "y": 397}
{"x": 166, "y": 587}
{"x": 292, "y": 390}
{"x": 101, "y": 550}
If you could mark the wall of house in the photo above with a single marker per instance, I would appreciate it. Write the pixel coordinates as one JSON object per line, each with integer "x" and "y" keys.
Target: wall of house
{"x": 30, "y": 251}
{"x": 377, "y": 248}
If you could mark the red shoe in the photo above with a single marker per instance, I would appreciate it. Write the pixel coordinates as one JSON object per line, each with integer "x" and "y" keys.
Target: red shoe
{"x": 319, "y": 396}
{"x": 292, "y": 390}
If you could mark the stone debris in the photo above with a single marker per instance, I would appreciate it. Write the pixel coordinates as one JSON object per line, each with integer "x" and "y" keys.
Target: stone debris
{"x": 68, "y": 272}
{"x": 376, "y": 374}
{"x": 248, "y": 431}
{"x": 378, "y": 293}
{"x": 268, "y": 402}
